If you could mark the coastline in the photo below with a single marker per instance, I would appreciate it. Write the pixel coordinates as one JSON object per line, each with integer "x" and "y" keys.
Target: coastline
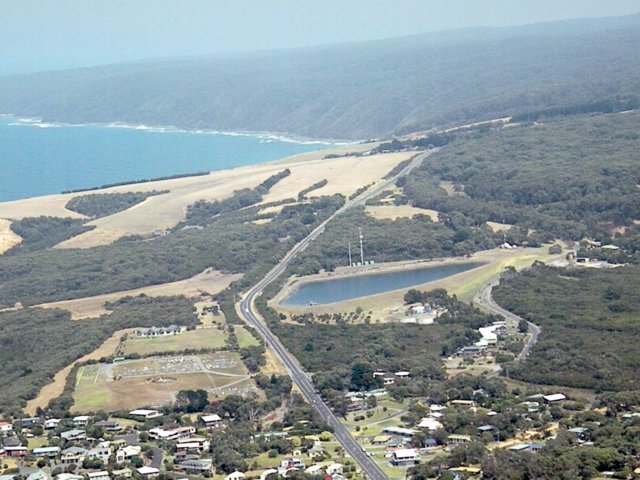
{"x": 39, "y": 122}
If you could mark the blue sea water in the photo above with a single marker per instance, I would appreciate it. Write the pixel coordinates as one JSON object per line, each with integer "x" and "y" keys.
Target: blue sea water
{"x": 39, "y": 159}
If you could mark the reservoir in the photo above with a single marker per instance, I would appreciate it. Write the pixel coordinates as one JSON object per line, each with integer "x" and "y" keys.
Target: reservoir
{"x": 327, "y": 291}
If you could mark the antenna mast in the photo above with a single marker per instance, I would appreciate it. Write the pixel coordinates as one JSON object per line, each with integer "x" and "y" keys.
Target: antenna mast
{"x": 361, "y": 247}
{"x": 350, "y": 262}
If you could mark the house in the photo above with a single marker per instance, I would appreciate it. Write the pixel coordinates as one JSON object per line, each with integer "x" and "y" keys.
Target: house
{"x": 211, "y": 421}
{"x": 99, "y": 475}
{"x": 316, "y": 450}
{"x": 421, "y": 309}
{"x": 402, "y": 374}
{"x": 101, "y": 453}
{"x": 69, "y": 476}
{"x": 430, "y": 424}
{"x": 11, "y": 442}
{"x": 485, "y": 428}
{"x": 204, "y": 465}
{"x": 335, "y": 469}
{"x": 126, "y": 453}
{"x": 38, "y": 475}
{"x": 405, "y": 457}
{"x": 399, "y": 431}
{"x": 313, "y": 470}
{"x": 108, "y": 426}
{"x": 291, "y": 463}
{"x": 81, "y": 421}
{"x": 381, "y": 439}
{"x": 30, "y": 422}
{"x": 173, "y": 434}
{"x": 51, "y": 423}
{"x": 556, "y": 397}
{"x": 148, "y": 471}
{"x": 430, "y": 443}
{"x": 458, "y": 439}
{"x": 74, "y": 434}
{"x": 5, "y": 428}
{"x": 472, "y": 351}
{"x": 532, "y": 407}
{"x": 235, "y": 476}
{"x": 197, "y": 444}
{"x": 73, "y": 455}
{"x": 520, "y": 447}
{"x": 397, "y": 443}
{"x": 46, "y": 452}
{"x": 463, "y": 403}
{"x": 579, "y": 432}
{"x": 145, "y": 413}
{"x": 122, "y": 473}
{"x": 16, "y": 451}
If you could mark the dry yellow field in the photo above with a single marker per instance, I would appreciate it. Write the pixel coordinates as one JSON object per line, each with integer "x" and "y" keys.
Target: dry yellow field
{"x": 8, "y": 238}
{"x": 391, "y": 212}
{"x": 344, "y": 175}
{"x": 55, "y": 388}
{"x": 209, "y": 281}
{"x": 49, "y": 205}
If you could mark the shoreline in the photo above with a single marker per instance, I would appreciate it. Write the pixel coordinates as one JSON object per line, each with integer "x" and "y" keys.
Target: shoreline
{"x": 269, "y": 136}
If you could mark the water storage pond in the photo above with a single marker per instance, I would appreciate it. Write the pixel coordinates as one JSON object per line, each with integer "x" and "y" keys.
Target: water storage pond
{"x": 334, "y": 290}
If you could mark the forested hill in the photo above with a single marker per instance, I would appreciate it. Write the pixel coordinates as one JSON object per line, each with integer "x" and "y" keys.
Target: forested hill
{"x": 352, "y": 91}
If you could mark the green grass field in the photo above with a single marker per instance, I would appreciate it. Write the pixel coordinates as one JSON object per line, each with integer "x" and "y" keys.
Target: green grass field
{"x": 245, "y": 339}
{"x": 201, "y": 338}
{"x": 90, "y": 394}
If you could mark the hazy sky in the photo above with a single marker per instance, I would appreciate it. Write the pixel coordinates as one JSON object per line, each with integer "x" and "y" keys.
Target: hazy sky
{"x": 50, "y": 34}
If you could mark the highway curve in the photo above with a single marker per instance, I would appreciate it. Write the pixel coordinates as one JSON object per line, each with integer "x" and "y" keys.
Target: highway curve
{"x": 485, "y": 300}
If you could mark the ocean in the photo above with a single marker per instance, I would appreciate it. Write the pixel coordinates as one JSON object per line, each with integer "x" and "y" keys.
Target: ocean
{"x": 39, "y": 158}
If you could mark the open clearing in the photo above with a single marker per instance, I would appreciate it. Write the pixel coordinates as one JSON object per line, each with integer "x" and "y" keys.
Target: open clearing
{"x": 55, "y": 388}
{"x": 465, "y": 285}
{"x": 8, "y": 238}
{"x": 449, "y": 187}
{"x": 165, "y": 211}
{"x": 156, "y": 381}
{"x": 245, "y": 339}
{"x": 209, "y": 281}
{"x": 392, "y": 212}
{"x": 499, "y": 227}
{"x": 194, "y": 339}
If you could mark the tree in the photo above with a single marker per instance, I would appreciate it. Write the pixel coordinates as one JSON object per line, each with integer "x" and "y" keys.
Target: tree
{"x": 191, "y": 401}
{"x": 362, "y": 377}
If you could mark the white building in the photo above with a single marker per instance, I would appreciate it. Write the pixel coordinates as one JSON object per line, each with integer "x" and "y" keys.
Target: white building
{"x": 405, "y": 457}
{"x": 99, "y": 475}
{"x": 211, "y": 421}
{"x": 126, "y": 453}
{"x": 148, "y": 471}
{"x": 145, "y": 413}
{"x": 81, "y": 421}
{"x": 430, "y": 424}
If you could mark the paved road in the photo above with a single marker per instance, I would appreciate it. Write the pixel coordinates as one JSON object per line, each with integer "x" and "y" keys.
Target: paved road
{"x": 485, "y": 300}
{"x": 298, "y": 375}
